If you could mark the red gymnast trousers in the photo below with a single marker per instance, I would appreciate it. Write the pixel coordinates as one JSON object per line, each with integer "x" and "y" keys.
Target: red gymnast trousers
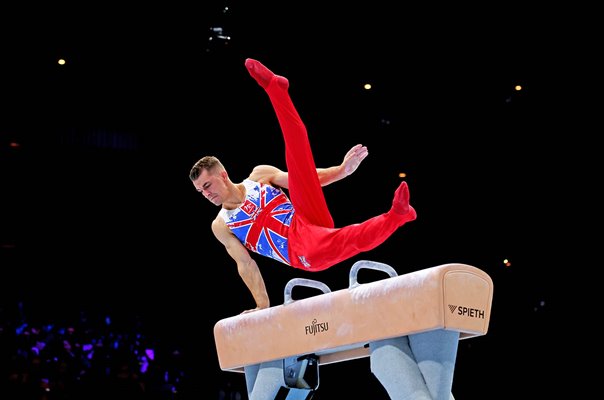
{"x": 314, "y": 243}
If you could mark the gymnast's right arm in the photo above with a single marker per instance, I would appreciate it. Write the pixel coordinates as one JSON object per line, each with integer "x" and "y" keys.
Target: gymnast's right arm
{"x": 246, "y": 266}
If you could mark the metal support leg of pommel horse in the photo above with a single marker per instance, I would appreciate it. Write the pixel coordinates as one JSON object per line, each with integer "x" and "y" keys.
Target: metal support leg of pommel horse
{"x": 293, "y": 378}
{"x": 418, "y": 366}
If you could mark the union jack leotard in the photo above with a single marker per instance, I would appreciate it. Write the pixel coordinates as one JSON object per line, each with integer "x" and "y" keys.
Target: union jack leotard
{"x": 262, "y": 222}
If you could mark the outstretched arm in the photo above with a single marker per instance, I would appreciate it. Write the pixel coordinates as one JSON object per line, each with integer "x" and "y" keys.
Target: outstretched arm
{"x": 246, "y": 266}
{"x": 273, "y": 175}
{"x": 351, "y": 162}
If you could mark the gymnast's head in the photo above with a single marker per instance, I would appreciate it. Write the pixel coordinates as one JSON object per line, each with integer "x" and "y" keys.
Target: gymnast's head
{"x": 210, "y": 179}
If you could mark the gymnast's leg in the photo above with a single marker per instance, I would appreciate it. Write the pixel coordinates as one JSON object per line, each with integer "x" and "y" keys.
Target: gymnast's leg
{"x": 316, "y": 241}
{"x": 263, "y": 381}
{"x": 324, "y": 247}
{"x": 305, "y": 189}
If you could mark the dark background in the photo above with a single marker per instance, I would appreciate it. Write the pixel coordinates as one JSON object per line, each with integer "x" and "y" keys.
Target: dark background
{"x": 98, "y": 212}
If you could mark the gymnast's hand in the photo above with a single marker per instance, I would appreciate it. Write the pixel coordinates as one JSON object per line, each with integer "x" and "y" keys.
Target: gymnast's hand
{"x": 353, "y": 158}
{"x": 252, "y": 310}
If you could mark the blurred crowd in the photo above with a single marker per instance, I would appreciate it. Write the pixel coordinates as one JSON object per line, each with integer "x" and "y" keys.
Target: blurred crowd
{"x": 85, "y": 358}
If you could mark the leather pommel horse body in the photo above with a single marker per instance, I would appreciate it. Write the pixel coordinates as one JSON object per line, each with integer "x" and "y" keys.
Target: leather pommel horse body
{"x": 338, "y": 326}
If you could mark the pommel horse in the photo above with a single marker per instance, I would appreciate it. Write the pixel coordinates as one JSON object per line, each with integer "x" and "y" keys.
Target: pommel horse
{"x": 399, "y": 322}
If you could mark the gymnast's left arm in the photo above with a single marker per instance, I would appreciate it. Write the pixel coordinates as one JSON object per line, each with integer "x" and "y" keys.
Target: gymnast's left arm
{"x": 351, "y": 162}
{"x": 271, "y": 175}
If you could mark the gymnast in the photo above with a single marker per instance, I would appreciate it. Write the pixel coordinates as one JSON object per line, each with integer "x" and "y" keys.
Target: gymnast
{"x": 256, "y": 215}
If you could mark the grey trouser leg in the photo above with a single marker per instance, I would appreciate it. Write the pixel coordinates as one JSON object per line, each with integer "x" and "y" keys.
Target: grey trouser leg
{"x": 263, "y": 381}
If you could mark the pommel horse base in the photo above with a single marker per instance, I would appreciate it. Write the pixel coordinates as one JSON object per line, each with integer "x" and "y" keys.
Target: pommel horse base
{"x": 339, "y": 326}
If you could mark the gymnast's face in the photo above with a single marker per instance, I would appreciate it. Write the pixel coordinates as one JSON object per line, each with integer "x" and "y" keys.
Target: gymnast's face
{"x": 212, "y": 185}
